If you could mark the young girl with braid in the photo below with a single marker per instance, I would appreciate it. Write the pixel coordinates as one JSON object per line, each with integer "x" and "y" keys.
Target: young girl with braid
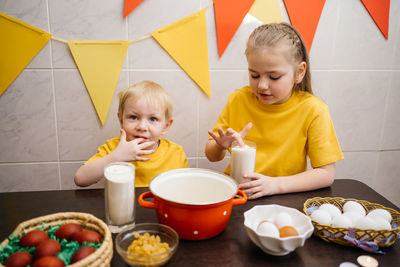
{"x": 278, "y": 112}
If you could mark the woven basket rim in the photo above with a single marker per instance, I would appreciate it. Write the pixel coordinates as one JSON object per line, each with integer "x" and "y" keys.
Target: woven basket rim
{"x": 319, "y": 228}
{"x": 101, "y": 257}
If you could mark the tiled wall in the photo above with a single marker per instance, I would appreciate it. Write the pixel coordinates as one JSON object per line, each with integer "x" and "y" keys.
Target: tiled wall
{"x": 48, "y": 125}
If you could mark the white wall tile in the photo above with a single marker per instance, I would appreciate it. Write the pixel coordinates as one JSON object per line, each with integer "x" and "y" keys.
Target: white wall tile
{"x": 359, "y": 44}
{"x": 79, "y": 128}
{"x": 29, "y": 177}
{"x": 357, "y": 104}
{"x": 27, "y": 121}
{"x": 387, "y": 176}
{"x": 391, "y": 126}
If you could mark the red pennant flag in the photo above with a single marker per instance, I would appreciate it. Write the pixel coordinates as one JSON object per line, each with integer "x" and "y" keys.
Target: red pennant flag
{"x": 304, "y": 16}
{"x": 229, "y": 14}
{"x": 379, "y": 11}
{"x": 130, "y": 5}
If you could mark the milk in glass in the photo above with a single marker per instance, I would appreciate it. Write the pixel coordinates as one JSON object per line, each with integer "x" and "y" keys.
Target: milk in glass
{"x": 243, "y": 160}
{"x": 119, "y": 193}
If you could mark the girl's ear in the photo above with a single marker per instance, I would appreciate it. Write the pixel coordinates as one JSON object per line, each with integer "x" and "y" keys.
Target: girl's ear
{"x": 166, "y": 127}
{"x": 301, "y": 72}
{"x": 120, "y": 119}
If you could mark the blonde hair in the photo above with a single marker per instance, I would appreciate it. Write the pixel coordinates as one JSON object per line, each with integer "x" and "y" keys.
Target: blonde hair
{"x": 154, "y": 93}
{"x": 275, "y": 34}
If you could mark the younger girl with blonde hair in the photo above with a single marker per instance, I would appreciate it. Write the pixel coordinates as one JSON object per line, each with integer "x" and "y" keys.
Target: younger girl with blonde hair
{"x": 278, "y": 112}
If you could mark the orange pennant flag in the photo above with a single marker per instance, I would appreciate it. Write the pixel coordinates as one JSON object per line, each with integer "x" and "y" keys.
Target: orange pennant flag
{"x": 229, "y": 14}
{"x": 304, "y": 16}
{"x": 130, "y": 5}
{"x": 379, "y": 11}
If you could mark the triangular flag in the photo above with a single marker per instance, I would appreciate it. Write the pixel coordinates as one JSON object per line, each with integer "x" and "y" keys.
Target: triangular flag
{"x": 19, "y": 44}
{"x": 304, "y": 16}
{"x": 267, "y": 11}
{"x": 99, "y": 63}
{"x": 186, "y": 42}
{"x": 229, "y": 15}
{"x": 379, "y": 11}
{"x": 130, "y": 5}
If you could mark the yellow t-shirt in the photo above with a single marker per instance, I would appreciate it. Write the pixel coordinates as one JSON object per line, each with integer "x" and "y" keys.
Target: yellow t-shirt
{"x": 285, "y": 134}
{"x": 168, "y": 156}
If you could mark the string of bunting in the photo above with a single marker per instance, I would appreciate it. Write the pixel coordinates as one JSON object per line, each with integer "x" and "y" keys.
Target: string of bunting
{"x": 99, "y": 62}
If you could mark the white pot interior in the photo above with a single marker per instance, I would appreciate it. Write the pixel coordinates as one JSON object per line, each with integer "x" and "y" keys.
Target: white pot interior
{"x": 193, "y": 186}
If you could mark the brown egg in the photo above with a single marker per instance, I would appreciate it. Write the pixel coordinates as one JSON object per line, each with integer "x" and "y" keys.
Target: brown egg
{"x": 287, "y": 230}
{"x": 47, "y": 248}
{"x": 33, "y": 238}
{"x": 87, "y": 236}
{"x": 67, "y": 231}
{"x": 48, "y": 261}
{"x": 81, "y": 253}
{"x": 18, "y": 259}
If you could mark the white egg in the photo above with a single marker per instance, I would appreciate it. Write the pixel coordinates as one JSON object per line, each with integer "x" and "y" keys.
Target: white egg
{"x": 381, "y": 223}
{"x": 283, "y": 219}
{"x": 365, "y": 223}
{"x": 380, "y": 213}
{"x": 267, "y": 228}
{"x": 321, "y": 217}
{"x": 354, "y": 206}
{"x": 353, "y": 216}
{"x": 341, "y": 221}
{"x": 331, "y": 209}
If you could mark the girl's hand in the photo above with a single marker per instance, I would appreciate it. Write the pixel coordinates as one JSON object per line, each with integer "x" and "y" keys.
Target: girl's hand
{"x": 260, "y": 185}
{"x": 132, "y": 150}
{"x": 225, "y": 139}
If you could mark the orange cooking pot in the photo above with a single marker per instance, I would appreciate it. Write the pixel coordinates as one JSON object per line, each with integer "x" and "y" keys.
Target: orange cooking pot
{"x": 197, "y": 203}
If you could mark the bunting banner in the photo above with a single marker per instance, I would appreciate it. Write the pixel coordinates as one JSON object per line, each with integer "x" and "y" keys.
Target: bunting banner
{"x": 19, "y": 44}
{"x": 304, "y": 16}
{"x": 186, "y": 42}
{"x": 379, "y": 11}
{"x": 229, "y": 14}
{"x": 267, "y": 11}
{"x": 99, "y": 63}
{"x": 130, "y": 5}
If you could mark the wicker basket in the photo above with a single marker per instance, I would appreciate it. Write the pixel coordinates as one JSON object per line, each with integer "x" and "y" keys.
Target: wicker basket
{"x": 101, "y": 257}
{"x": 382, "y": 238}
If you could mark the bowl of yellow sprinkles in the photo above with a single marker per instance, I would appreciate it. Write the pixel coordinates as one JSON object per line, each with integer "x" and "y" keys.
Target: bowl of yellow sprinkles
{"x": 147, "y": 244}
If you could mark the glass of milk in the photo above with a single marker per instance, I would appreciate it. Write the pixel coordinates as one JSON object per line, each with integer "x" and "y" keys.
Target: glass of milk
{"x": 243, "y": 160}
{"x": 119, "y": 194}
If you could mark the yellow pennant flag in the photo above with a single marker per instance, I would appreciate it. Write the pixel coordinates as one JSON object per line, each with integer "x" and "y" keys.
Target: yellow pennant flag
{"x": 267, "y": 11}
{"x": 99, "y": 63}
{"x": 186, "y": 42}
{"x": 19, "y": 44}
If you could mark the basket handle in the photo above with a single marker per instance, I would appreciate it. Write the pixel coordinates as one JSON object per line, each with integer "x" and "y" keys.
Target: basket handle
{"x": 145, "y": 203}
{"x": 239, "y": 199}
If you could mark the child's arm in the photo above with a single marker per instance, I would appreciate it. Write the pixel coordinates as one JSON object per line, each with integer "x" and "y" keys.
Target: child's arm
{"x": 93, "y": 171}
{"x": 309, "y": 180}
{"x": 216, "y": 148}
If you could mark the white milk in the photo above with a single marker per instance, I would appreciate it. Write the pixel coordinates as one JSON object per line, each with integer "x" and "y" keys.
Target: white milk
{"x": 119, "y": 193}
{"x": 243, "y": 160}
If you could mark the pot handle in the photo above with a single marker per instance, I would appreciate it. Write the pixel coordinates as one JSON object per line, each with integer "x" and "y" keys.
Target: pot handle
{"x": 239, "y": 199}
{"x": 147, "y": 204}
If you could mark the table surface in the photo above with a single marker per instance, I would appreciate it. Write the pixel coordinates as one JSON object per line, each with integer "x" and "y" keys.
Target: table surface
{"x": 230, "y": 248}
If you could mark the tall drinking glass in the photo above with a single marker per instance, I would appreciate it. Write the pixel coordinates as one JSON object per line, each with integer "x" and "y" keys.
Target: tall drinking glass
{"x": 243, "y": 160}
{"x": 119, "y": 193}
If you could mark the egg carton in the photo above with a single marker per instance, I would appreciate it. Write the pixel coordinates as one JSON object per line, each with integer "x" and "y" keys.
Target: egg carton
{"x": 101, "y": 257}
{"x": 366, "y": 239}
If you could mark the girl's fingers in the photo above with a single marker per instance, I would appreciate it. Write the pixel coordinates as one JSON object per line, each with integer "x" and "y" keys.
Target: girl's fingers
{"x": 246, "y": 129}
{"x": 142, "y": 159}
{"x": 123, "y": 135}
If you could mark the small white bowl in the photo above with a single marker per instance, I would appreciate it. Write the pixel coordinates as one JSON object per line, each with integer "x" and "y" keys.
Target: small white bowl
{"x": 277, "y": 246}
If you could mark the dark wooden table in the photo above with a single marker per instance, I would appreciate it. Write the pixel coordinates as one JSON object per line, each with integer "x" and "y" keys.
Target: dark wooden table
{"x": 231, "y": 248}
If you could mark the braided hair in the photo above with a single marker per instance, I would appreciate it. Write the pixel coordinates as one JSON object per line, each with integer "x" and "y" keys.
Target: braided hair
{"x": 275, "y": 34}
